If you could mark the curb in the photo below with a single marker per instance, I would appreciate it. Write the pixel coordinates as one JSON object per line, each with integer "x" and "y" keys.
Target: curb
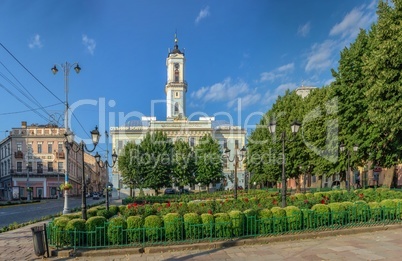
{"x": 218, "y": 244}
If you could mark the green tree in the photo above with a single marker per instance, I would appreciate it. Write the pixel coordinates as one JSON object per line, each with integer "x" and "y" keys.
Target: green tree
{"x": 183, "y": 164}
{"x": 208, "y": 160}
{"x": 128, "y": 165}
{"x": 156, "y": 161}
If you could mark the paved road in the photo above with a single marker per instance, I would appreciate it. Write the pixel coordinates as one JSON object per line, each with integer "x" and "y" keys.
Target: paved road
{"x": 30, "y": 212}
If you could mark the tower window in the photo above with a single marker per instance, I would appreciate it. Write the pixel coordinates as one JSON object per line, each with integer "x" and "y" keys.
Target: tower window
{"x": 176, "y": 75}
{"x": 177, "y": 95}
{"x": 176, "y": 108}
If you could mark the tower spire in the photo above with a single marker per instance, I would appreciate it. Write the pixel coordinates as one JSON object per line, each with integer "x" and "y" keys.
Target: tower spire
{"x": 176, "y": 41}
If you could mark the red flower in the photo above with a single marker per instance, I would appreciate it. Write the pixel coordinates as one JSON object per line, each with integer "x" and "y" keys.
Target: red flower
{"x": 322, "y": 201}
{"x": 209, "y": 211}
{"x": 168, "y": 205}
{"x": 275, "y": 202}
{"x": 361, "y": 195}
{"x": 246, "y": 199}
{"x": 305, "y": 201}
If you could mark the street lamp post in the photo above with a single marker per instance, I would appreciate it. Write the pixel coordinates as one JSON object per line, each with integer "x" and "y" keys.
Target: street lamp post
{"x": 106, "y": 165}
{"x": 343, "y": 148}
{"x": 236, "y": 160}
{"x": 66, "y": 68}
{"x": 295, "y": 128}
{"x": 83, "y": 147}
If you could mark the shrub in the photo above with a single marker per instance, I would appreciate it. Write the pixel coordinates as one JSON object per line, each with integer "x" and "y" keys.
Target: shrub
{"x": 135, "y": 228}
{"x": 265, "y": 221}
{"x": 76, "y": 229}
{"x": 375, "y": 211}
{"x": 337, "y": 213}
{"x": 207, "y": 224}
{"x": 192, "y": 226}
{"x": 96, "y": 225}
{"x": 114, "y": 210}
{"x": 321, "y": 215}
{"x": 173, "y": 226}
{"x": 153, "y": 227}
{"x": 293, "y": 217}
{"x": 237, "y": 218}
{"x": 222, "y": 225}
{"x": 250, "y": 221}
{"x": 279, "y": 219}
{"x": 104, "y": 213}
{"x": 115, "y": 231}
{"x": 307, "y": 218}
{"x": 92, "y": 212}
{"x": 122, "y": 209}
{"x": 388, "y": 207}
{"x": 59, "y": 225}
{"x": 398, "y": 202}
{"x": 362, "y": 211}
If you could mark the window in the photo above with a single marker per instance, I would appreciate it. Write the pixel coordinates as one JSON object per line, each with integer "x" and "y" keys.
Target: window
{"x": 60, "y": 166}
{"x": 60, "y": 147}
{"x": 19, "y": 166}
{"x": 236, "y": 144}
{"x": 40, "y": 167}
{"x": 176, "y": 108}
{"x": 19, "y": 146}
{"x": 177, "y": 94}
{"x": 191, "y": 141}
{"x": 39, "y": 147}
{"x": 50, "y": 166}
{"x": 176, "y": 75}
{"x": 50, "y": 147}
{"x": 29, "y": 166}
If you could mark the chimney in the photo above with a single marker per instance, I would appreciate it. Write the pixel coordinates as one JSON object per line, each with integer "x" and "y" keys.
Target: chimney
{"x": 23, "y": 124}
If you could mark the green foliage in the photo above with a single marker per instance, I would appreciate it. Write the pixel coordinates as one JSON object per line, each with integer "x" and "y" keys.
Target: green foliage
{"x": 192, "y": 226}
{"x": 116, "y": 230}
{"x": 208, "y": 223}
{"x": 153, "y": 227}
{"x": 104, "y": 213}
{"x": 350, "y": 211}
{"x": 183, "y": 164}
{"x": 265, "y": 221}
{"x": 250, "y": 223}
{"x": 321, "y": 214}
{"x": 279, "y": 219}
{"x": 92, "y": 212}
{"x": 173, "y": 227}
{"x": 97, "y": 226}
{"x": 208, "y": 160}
{"x": 375, "y": 211}
{"x": 237, "y": 218}
{"x": 388, "y": 207}
{"x": 362, "y": 210}
{"x": 62, "y": 237}
{"x": 129, "y": 165}
{"x": 135, "y": 228}
{"x": 75, "y": 227}
{"x": 223, "y": 225}
{"x": 114, "y": 210}
{"x": 294, "y": 217}
{"x": 337, "y": 213}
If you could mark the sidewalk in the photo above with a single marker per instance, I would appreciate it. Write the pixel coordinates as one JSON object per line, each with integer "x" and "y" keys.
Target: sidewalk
{"x": 373, "y": 243}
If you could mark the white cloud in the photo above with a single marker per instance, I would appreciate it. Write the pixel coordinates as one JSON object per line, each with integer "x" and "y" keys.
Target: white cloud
{"x": 227, "y": 91}
{"x": 89, "y": 43}
{"x": 304, "y": 29}
{"x": 35, "y": 42}
{"x": 278, "y": 73}
{"x": 320, "y": 56}
{"x": 271, "y": 96}
{"x": 203, "y": 13}
{"x": 360, "y": 17}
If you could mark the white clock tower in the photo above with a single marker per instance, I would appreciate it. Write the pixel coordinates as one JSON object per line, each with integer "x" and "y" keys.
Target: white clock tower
{"x": 176, "y": 86}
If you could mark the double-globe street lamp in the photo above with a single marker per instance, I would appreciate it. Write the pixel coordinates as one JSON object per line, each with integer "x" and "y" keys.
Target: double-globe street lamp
{"x": 236, "y": 159}
{"x": 83, "y": 147}
{"x": 343, "y": 148}
{"x": 106, "y": 164}
{"x": 294, "y": 128}
{"x": 66, "y": 68}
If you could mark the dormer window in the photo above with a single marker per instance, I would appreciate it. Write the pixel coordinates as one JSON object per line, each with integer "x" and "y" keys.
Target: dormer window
{"x": 176, "y": 75}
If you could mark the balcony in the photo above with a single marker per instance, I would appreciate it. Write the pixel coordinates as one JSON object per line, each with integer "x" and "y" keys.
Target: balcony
{"x": 60, "y": 155}
{"x": 18, "y": 155}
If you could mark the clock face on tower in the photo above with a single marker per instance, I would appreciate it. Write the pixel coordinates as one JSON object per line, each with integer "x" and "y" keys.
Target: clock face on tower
{"x": 176, "y": 65}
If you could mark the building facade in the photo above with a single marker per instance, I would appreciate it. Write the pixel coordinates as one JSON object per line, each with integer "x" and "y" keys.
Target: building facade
{"x": 177, "y": 125}
{"x": 33, "y": 163}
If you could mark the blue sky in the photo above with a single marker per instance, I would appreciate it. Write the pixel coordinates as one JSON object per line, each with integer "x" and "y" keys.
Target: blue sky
{"x": 240, "y": 56}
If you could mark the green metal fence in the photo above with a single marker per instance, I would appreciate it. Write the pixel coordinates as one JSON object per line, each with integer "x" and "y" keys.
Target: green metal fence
{"x": 180, "y": 232}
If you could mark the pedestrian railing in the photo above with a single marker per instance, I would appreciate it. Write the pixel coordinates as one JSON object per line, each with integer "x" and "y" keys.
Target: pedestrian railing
{"x": 180, "y": 232}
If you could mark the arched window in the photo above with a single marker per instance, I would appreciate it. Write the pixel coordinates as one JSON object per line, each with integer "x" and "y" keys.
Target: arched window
{"x": 176, "y": 75}
{"x": 176, "y": 108}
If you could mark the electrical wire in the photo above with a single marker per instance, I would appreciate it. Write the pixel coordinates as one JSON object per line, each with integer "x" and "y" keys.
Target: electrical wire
{"x": 35, "y": 109}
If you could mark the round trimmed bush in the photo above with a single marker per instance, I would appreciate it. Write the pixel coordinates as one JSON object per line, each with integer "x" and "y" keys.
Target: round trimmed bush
{"x": 265, "y": 221}
{"x": 115, "y": 231}
{"x": 75, "y": 227}
{"x": 62, "y": 237}
{"x": 135, "y": 228}
{"x": 114, "y": 210}
{"x": 293, "y": 217}
{"x": 337, "y": 213}
{"x": 250, "y": 221}
{"x": 279, "y": 219}
{"x": 192, "y": 226}
{"x": 223, "y": 225}
{"x": 375, "y": 211}
{"x": 153, "y": 225}
{"x": 97, "y": 226}
{"x": 104, "y": 213}
{"x": 173, "y": 226}
{"x": 237, "y": 218}
{"x": 208, "y": 224}
{"x": 388, "y": 207}
{"x": 398, "y": 202}
{"x": 362, "y": 211}
{"x": 321, "y": 215}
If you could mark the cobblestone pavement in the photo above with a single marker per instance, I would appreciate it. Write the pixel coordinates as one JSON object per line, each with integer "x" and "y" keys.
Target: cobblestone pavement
{"x": 384, "y": 244}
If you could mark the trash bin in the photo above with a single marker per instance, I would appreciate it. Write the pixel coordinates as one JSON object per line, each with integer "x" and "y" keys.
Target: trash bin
{"x": 38, "y": 234}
